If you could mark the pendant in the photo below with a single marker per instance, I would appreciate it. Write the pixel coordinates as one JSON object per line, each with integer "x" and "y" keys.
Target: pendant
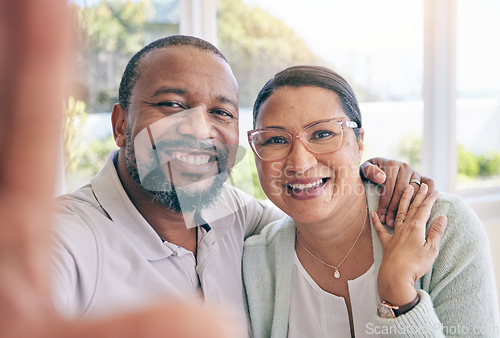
{"x": 336, "y": 274}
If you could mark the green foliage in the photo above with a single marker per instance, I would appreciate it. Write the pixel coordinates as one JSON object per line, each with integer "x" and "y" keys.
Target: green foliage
{"x": 244, "y": 175}
{"x": 257, "y": 45}
{"x": 489, "y": 164}
{"x": 410, "y": 151}
{"x": 112, "y": 25}
{"x": 468, "y": 163}
{"x": 74, "y": 118}
{"x": 94, "y": 157}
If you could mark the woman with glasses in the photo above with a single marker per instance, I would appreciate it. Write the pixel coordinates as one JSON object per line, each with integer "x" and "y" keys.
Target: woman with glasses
{"x": 331, "y": 269}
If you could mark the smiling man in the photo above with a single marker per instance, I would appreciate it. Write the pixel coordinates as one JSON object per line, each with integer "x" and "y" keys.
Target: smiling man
{"x": 158, "y": 221}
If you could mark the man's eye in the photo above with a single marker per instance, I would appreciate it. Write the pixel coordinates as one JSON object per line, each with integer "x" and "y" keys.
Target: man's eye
{"x": 171, "y": 104}
{"x": 223, "y": 114}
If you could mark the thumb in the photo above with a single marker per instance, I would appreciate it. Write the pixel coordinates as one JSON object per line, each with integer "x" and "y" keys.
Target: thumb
{"x": 372, "y": 173}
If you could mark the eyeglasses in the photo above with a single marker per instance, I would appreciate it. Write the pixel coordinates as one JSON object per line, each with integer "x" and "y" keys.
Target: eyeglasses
{"x": 320, "y": 137}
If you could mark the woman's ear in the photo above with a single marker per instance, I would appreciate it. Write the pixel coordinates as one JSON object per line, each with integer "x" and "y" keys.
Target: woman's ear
{"x": 119, "y": 123}
{"x": 361, "y": 145}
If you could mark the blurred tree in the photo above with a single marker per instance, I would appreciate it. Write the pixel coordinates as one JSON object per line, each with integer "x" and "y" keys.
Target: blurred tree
{"x": 73, "y": 119}
{"x": 111, "y": 32}
{"x": 410, "y": 151}
{"x": 468, "y": 163}
{"x": 115, "y": 26}
{"x": 94, "y": 158}
{"x": 257, "y": 45}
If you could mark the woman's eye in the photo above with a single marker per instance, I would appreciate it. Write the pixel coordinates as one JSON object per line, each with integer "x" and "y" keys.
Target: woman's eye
{"x": 322, "y": 134}
{"x": 276, "y": 140}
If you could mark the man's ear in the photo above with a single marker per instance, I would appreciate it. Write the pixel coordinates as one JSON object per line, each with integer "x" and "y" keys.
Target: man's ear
{"x": 119, "y": 123}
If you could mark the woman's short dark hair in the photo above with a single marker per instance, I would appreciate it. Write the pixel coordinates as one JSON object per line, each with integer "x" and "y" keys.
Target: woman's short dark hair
{"x": 313, "y": 76}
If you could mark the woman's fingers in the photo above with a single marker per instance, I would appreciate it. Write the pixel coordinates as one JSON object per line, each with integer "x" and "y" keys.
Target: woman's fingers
{"x": 417, "y": 201}
{"x": 383, "y": 235}
{"x": 423, "y": 212}
{"x": 403, "y": 206}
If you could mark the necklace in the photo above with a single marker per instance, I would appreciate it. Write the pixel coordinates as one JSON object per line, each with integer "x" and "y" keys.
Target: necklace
{"x": 336, "y": 272}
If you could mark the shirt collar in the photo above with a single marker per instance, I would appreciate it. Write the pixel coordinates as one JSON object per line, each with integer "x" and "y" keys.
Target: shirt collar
{"x": 110, "y": 194}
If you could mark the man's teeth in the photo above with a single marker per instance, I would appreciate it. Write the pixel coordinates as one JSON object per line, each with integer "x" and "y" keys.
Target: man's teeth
{"x": 306, "y": 186}
{"x": 192, "y": 159}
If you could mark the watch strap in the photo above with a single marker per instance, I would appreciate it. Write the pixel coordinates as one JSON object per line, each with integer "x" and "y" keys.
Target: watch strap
{"x": 400, "y": 310}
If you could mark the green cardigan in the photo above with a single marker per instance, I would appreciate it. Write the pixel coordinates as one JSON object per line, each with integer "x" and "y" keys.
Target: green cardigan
{"x": 457, "y": 296}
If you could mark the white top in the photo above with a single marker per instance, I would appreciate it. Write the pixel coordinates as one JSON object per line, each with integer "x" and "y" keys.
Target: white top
{"x": 317, "y": 313}
{"x": 107, "y": 258}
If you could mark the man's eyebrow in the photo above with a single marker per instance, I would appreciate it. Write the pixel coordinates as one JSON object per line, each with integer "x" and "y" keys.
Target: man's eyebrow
{"x": 224, "y": 99}
{"x": 166, "y": 90}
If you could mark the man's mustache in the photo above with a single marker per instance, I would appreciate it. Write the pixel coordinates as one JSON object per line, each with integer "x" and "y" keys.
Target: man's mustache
{"x": 189, "y": 146}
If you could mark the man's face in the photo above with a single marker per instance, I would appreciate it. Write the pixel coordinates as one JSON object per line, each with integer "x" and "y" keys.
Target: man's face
{"x": 182, "y": 126}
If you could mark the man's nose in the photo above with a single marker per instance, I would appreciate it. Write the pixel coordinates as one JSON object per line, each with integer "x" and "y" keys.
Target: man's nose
{"x": 196, "y": 122}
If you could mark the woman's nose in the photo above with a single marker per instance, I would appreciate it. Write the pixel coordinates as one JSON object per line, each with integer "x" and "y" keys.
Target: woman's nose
{"x": 300, "y": 158}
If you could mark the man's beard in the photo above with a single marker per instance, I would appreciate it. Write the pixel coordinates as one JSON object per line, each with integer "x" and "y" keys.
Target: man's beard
{"x": 174, "y": 197}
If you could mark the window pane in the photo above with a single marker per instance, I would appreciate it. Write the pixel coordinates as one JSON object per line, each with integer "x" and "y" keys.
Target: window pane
{"x": 111, "y": 33}
{"x": 478, "y": 86}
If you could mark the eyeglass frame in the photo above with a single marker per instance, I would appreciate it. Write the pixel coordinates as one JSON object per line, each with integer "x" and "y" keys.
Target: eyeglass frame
{"x": 298, "y": 134}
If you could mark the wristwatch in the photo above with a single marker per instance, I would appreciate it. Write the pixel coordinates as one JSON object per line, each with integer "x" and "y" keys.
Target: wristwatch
{"x": 387, "y": 310}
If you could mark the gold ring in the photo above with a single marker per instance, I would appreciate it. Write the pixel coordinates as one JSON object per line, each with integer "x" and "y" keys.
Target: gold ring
{"x": 415, "y": 181}
{"x": 400, "y": 221}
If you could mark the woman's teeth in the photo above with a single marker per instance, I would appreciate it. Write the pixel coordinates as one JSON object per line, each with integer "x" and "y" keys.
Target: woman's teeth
{"x": 306, "y": 186}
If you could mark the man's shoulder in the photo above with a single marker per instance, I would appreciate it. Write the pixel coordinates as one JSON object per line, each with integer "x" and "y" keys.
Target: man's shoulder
{"x": 230, "y": 192}
{"x": 272, "y": 233}
{"x": 76, "y": 216}
{"x": 78, "y": 203}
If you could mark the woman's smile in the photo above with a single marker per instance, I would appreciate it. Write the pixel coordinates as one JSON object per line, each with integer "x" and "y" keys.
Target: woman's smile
{"x": 304, "y": 189}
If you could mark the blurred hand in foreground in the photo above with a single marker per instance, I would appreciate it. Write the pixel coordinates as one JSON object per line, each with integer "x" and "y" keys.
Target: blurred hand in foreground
{"x": 34, "y": 47}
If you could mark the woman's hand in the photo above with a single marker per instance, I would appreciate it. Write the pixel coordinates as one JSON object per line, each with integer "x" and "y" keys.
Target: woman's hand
{"x": 407, "y": 253}
{"x": 393, "y": 177}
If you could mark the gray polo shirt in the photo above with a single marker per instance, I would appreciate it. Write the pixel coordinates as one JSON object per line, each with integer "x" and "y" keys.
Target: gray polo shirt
{"x": 107, "y": 258}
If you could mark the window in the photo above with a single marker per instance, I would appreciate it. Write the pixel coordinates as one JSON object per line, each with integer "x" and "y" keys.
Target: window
{"x": 111, "y": 33}
{"x": 478, "y": 94}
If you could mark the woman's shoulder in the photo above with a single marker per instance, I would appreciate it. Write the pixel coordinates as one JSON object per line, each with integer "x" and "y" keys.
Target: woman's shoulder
{"x": 272, "y": 233}
{"x": 464, "y": 228}
{"x": 459, "y": 214}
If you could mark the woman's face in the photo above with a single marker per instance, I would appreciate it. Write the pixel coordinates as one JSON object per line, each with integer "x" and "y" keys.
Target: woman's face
{"x": 309, "y": 187}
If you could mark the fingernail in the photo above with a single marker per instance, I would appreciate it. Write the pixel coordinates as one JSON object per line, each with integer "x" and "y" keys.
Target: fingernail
{"x": 390, "y": 222}
{"x": 382, "y": 218}
{"x": 380, "y": 175}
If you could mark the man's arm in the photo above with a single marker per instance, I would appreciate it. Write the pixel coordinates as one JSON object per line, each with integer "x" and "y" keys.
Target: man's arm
{"x": 393, "y": 177}
{"x": 33, "y": 57}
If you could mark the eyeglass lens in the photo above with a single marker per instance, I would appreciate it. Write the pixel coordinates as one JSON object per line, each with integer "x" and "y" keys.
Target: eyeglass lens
{"x": 319, "y": 138}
